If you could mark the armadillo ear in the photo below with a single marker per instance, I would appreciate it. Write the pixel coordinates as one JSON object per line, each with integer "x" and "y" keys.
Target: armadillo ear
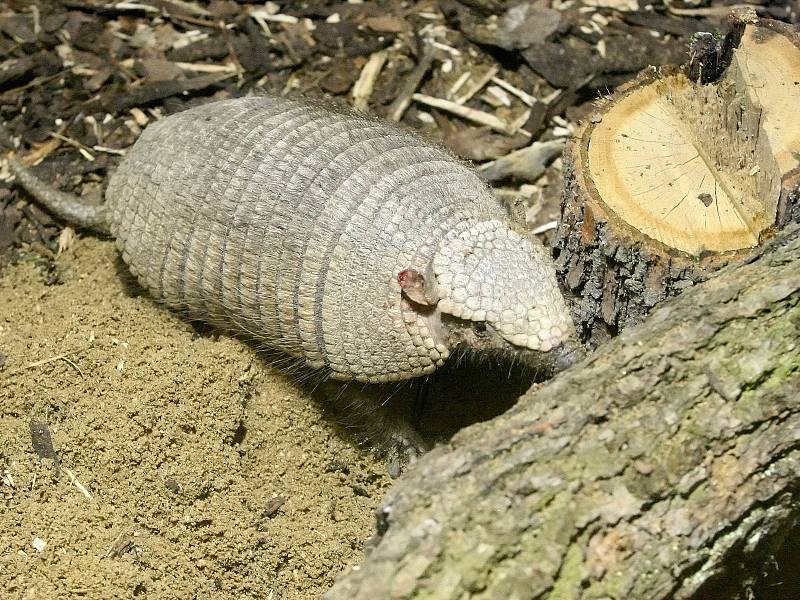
{"x": 416, "y": 289}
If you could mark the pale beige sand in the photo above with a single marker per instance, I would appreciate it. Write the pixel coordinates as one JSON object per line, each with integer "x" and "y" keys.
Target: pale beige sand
{"x": 149, "y": 417}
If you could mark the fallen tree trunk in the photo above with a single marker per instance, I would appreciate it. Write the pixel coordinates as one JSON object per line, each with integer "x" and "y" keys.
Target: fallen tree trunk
{"x": 662, "y": 462}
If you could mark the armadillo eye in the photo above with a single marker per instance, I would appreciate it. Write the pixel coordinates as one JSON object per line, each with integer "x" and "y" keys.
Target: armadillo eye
{"x": 479, "y": 327}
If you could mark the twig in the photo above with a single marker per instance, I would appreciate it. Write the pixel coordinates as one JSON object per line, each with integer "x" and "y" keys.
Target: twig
{"x": 134, "y": 6}
{"x": 524, "y": 96}
{"x": 73, "y": 365}
{"x": 192, "y": 20}
{"x": 471, "y": 114}
{"x": 517, "y": 124}
{"x": 206, "y": 68}
{"x": 477, "y": 85}
{"x": 709, "y": 11}
{"x": 78, "y": 484}
{"x": 108, "y": 150}
{"x": 183, "y": 7}
{"x": 362, "y": 90}
{"x": 276, "y": 18}
{"x": 459, "y": 83}
{"x": 446, "y": 48}
{"x": 545, "y": 227}
{"x": 261, "y": 23}
{"x": 226, "y": 36}
{"x": 84, "y": 150}
{"x": 403, "y": 100}
{"x": 34, "y": 82}
{"x": 45, "y": 361}
{"x": 37, "y": 27}
{"x": 185, "y": 11}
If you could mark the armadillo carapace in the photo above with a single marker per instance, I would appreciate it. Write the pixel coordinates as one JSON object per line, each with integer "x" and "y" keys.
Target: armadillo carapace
{"x": 339, "y": 239}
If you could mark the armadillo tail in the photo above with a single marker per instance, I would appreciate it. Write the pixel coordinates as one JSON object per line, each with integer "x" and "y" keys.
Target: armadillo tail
{"x": 68, "y": 207}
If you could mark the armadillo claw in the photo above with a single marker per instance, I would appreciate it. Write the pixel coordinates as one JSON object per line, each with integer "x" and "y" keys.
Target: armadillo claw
{"x": 404, "y": 448}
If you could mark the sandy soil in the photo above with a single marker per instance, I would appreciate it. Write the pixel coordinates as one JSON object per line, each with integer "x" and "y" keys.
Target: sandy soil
{"x": 186, "y": 441}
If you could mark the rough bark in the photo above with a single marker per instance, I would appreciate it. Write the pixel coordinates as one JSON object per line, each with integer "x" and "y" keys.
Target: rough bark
{"x": 668, "y": 458}
{"x": 615, "y": 276}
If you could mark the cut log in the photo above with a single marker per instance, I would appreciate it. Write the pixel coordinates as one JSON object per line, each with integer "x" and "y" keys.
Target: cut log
{"x": 671, "y": 179}
{"x": 666, "y": 461}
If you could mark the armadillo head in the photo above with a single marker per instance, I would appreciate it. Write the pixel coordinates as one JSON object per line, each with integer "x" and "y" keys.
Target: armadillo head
{"x": 494, "y": 289}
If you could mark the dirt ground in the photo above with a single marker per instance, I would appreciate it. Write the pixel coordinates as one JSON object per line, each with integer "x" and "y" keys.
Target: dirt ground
{"x": 186, "y": 442}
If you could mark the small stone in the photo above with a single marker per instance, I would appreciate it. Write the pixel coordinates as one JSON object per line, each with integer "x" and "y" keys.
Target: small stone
{"x": 272, "y": 506}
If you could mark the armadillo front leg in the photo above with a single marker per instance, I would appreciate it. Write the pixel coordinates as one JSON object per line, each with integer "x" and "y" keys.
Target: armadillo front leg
{"x": 380, "y": 416}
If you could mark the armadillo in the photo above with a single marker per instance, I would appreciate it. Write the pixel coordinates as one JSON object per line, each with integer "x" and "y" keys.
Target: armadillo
{"x": 346, "y": 242}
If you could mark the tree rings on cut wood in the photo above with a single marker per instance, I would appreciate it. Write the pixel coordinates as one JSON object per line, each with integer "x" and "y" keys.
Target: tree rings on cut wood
{"x": 671, "y": 178}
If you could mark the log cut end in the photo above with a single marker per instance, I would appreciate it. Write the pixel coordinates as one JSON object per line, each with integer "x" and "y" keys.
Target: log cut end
{"x": 672, "y": 178}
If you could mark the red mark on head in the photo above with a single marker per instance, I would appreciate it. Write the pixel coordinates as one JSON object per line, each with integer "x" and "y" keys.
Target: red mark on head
{"x": 413, "y": 285}
{"x": 406, "y": 277}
